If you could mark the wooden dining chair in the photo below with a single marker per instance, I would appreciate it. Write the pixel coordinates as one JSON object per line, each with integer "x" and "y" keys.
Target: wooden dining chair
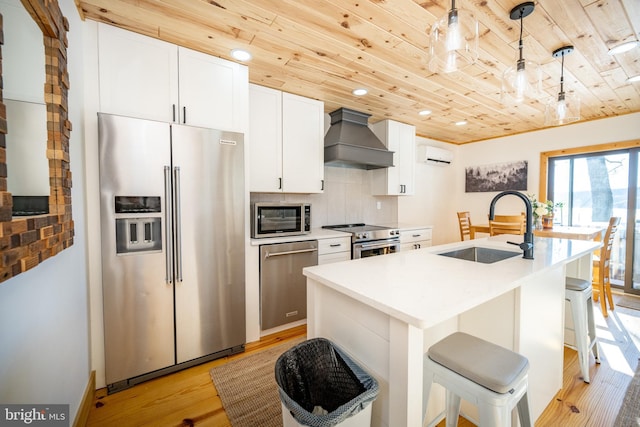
{"x": 602, "y": 268}
{"x": 464, "y": 221}
{"x": 507, "y": 224}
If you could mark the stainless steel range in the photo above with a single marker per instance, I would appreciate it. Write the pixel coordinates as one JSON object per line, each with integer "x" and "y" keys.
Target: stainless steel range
{"x": 370, "y": 240}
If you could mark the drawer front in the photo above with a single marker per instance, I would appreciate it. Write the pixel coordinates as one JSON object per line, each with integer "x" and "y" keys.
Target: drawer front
{"x": 335, "y": 257}
{"x": 331, "y": 246}
{"x": 415, "y": 235}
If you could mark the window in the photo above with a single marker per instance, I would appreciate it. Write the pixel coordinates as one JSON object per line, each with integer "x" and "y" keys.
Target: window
{"x": 593, "y": 186}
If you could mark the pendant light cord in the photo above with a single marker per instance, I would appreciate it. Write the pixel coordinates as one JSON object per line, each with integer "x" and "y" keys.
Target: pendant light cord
{"x": 561, "y": 94}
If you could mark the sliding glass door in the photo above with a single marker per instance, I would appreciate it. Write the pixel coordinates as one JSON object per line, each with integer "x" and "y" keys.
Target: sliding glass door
{"x": 594, "y": 187}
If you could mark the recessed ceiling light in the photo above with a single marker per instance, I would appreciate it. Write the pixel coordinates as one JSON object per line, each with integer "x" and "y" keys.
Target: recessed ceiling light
{"x": 240, "y": 54}
{"x": 634, "y": 79}
{"x": 359, "y": 92}
{"x": 624, "y": 47}
{"x": 424, "y": 112}
{"x": 461, "y": 123}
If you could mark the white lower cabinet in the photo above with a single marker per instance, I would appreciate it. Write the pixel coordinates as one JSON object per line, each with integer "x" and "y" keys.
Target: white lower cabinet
{"x": 415, "y": 239}
{"x": 334, "y": 250}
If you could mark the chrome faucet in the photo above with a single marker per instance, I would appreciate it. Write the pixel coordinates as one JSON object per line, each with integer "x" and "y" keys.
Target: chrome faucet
{"x": 527, "y": 245}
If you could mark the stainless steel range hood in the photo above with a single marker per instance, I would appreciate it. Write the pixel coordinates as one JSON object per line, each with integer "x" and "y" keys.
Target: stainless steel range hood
{"x": 350, "y": 142}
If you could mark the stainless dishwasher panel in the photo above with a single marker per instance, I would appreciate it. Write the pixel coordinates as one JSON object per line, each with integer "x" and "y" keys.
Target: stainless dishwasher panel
{"x": 283, "y": 288}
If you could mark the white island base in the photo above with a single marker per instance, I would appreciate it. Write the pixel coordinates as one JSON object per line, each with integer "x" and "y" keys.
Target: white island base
{"x": 387, "y": 311}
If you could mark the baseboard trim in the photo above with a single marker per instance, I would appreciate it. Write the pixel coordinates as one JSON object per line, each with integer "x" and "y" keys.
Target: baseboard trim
{"x": 87, "y": 400}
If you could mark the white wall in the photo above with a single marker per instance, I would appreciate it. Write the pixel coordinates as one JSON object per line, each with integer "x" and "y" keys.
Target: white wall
{"x": 438, "y": 201}
{"x": 435, "y": 196}
{"x": 44, "y": 322}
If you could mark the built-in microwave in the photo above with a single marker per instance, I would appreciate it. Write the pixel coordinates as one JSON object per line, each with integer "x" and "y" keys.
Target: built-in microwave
{"x": 280, "y": 219}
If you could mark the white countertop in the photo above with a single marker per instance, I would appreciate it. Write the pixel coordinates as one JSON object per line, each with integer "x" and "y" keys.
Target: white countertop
{"x": 422, "y": 288}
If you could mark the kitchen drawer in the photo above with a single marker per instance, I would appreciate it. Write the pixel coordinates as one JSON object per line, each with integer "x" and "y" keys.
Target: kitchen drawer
{"x": 410, "y": 236}
{"x": 331, "y": 246}
{"x": 334, "y": 257}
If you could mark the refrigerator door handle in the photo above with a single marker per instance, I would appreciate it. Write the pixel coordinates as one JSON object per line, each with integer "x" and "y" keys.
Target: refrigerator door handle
{"x": 167, "y": 226}
{"x": 178, "y": 222}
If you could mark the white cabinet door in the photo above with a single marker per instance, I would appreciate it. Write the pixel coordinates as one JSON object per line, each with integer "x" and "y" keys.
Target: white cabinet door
{"x": 415, "y": 239}
{"x": 286, "y": 142}
{"x": 138, "y": 75}
{"x": 265, "y": 134}
{"x": 400, "y": 179}
{"x": 334, "y": 250}
{"x": 302, "y": 144}
{"x": 151, "y": 79}
{"x": 210, "y": 91}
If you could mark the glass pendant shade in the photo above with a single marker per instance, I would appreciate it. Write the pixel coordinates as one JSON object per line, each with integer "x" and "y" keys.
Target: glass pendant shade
{"x": 523, "y": 80}
{"x": 454, "y": 41}
{"x": 565, "y": 108}
{"x": 562, "y": 110}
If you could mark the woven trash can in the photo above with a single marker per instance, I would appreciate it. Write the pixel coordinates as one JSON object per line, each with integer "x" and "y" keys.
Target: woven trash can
{"x": 321, "y": 386}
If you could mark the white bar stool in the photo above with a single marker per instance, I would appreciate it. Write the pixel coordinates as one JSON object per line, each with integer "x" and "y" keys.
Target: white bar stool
{"x": 579, "y": 293}
{"x": 493, "y": 378}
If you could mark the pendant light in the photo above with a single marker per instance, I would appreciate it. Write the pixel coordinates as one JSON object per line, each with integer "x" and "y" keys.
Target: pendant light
{"x": 566, "y": 107}
{"x": 454, "y": 41}
{"x": 522, "y": 81}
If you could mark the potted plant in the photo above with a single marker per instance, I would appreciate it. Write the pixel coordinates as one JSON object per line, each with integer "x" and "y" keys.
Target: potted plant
{"x": 542, "y": 212}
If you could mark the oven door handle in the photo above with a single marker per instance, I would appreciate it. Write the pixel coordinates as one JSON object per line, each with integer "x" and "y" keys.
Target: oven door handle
{"x": 378, "y": 244}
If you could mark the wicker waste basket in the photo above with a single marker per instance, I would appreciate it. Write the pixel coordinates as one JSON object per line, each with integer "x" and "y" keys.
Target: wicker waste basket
{"x": 320, "y": 386}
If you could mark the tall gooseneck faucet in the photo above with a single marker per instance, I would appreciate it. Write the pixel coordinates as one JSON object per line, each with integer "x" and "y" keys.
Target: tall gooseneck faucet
{"x": 527, "y": 245}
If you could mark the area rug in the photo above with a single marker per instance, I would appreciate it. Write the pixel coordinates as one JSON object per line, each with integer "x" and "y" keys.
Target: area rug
{"x": 629, "y": 415}
{"x": 248, "y": 389}
{"x": 629, "y": 302}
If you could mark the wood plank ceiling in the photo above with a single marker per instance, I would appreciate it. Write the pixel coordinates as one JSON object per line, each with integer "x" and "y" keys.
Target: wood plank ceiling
{"x": 324, "y": 49}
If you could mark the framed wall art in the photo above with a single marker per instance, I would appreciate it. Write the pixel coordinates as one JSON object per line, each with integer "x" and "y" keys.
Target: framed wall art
{"x": 496, "y": 177}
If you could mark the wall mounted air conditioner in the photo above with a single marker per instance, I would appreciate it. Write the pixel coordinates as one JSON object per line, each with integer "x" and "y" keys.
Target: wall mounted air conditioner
{"x": 440, "y": 156}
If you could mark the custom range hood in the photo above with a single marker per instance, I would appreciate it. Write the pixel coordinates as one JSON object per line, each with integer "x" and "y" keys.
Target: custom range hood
{"x": 350, "y": 142}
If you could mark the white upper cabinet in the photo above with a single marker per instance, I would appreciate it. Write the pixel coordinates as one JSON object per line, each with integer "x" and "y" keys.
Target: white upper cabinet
{"x": 287, "y": 142}
{"x": 400, "y": 179}
{"x": 151, "y": 79}
{"x": 211, "y": 91}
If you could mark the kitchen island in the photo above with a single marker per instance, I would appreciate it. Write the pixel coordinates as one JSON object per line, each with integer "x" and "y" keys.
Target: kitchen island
{"x": 386, "y": 311}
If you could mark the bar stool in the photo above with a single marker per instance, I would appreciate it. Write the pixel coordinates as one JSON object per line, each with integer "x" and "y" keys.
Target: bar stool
{"x": 579, "y": 293}
{"x": 493, "y": 378}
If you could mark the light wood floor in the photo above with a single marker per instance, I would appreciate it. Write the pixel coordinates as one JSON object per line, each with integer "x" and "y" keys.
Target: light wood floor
{"x": 188, "y": 398}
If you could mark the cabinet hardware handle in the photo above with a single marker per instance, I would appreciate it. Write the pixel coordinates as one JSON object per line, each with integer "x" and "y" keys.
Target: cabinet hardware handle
{"x": 280, "y": 183}
{"x": 322, "y": 184}
{"x": 173, "y": 112}
{"x": 335, "y": 245}
{"x": 184, "y": 115}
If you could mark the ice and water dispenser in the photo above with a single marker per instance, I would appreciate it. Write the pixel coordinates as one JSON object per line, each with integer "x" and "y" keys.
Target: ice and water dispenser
{"x": 138, "y": 224}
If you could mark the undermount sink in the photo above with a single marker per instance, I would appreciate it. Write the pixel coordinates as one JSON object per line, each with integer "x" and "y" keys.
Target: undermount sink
{"x": 479, "y": 254}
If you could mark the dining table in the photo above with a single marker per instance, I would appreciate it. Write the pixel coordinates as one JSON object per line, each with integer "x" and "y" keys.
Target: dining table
{"x": 592, "y": 232}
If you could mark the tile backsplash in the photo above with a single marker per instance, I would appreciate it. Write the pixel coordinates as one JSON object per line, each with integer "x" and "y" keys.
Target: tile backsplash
{"x": 346, "y": 199}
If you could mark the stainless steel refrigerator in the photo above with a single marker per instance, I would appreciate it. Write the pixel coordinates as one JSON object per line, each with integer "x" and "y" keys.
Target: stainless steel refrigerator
{"x": 172, "y": 220}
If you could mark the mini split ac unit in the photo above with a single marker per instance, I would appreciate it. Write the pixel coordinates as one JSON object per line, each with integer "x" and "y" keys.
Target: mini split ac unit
{"x": 440, "y": 156}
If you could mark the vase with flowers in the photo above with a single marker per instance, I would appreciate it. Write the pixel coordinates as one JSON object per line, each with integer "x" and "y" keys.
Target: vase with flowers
{"x": 542, "y": 212}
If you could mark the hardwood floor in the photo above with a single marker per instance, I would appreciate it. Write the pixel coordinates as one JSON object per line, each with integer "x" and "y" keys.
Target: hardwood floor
{"x": 188, "y": 398}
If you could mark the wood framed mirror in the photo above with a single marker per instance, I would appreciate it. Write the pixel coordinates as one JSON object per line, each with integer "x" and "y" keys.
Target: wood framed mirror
{"x": 27, "y": 241}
